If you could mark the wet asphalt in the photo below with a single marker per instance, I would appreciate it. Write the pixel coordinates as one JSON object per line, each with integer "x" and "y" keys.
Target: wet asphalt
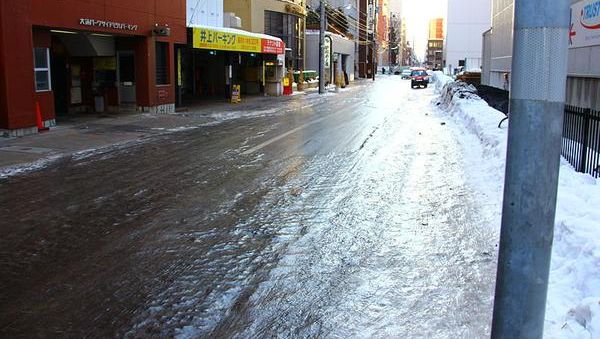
{"x": 344, "y": 215}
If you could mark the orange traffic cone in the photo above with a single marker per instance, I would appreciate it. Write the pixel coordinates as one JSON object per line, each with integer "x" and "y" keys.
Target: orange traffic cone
{"x": 40, "y": 123}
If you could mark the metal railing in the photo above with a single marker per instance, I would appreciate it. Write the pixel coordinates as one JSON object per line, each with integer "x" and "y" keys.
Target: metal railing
{"x": 581, "y": 139}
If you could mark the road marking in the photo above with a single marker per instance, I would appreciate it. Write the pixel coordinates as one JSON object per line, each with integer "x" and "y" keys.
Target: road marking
{"x": 279, "y": 137}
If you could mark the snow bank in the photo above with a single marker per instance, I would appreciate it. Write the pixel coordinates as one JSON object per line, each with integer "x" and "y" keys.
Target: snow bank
{"x": 573, "y": 306}
{"x": 440, "y": 79}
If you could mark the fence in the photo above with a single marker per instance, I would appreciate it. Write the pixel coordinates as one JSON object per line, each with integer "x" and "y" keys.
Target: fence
{"x": 581, "y": 139}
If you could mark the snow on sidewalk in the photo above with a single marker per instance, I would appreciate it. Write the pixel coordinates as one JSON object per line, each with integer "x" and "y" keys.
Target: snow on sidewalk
{"x": 573, "y": 306}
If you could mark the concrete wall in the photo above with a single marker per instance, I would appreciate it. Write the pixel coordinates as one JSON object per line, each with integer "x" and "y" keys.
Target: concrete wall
{"x": 242, "y": 9}
{"x": 207, "y": 13}
{"x": 502, "y": 37}
{"x": 583, "y": 82}
{"x": 340, "y": 45}
{"x": 252, "y": 12}
{"x": 466, "y": 22}
{"x": 486, "y": 56}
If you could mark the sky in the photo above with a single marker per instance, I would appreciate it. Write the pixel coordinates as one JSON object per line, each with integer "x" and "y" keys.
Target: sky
{"x": 417, "y": 14}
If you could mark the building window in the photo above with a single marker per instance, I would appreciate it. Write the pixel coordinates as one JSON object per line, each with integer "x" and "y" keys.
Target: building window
{"x": 288, "y": 28}
{"x": 41, "y": 60}
{"x": 162, "y": 63}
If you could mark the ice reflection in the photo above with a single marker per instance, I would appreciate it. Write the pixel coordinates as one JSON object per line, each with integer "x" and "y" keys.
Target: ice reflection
{"x": 382, "y": 239}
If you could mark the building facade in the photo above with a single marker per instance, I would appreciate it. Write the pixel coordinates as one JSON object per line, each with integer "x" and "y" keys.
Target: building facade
{"x": 465, "y": 23}
{"x": 285, "y": 19}
{"x": 341, "y": 56}
{"x": 583, "y": 78}
{"x": 434, "y": 58}
{"x": 223, "y": 61}
{"x": 367, "y": 30}
{"x": 500, "y": 37}
{"x": 61, "y": 57}
{"x": 383, "y": 27}
{"x": 343, "y": 19}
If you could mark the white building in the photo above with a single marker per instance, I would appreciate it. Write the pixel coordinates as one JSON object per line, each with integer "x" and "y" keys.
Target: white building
{"x": 465, "y": 23}
{"x": 583, "y": 81}
{"x": 499, "y": 39}
{"x": 205, "y": 13}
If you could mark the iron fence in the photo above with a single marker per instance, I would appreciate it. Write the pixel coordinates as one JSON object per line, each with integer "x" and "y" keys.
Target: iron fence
{"x": 581, "y": 139}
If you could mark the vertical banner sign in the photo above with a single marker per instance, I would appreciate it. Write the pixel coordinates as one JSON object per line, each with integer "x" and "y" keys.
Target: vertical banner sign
{"x": 370, "y": 16}
{"x": 179, "y": 79}
{"x": 327, "y": 53}
{"x": 584, "y": 29}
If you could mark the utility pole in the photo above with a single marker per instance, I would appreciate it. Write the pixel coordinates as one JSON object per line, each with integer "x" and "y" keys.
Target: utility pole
{"x": 534, "y": 140}
{"x": 323, "y": 23}
{"x": 374, "y": 55}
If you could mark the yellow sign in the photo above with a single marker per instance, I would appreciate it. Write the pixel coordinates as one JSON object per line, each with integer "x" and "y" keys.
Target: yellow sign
{"x": 236, "y": 96}
{"x": 205, "y": 38}
{"x": 105, "y": 63}
{"x": 179, "y": 78}
{"x": 286, "y": 81}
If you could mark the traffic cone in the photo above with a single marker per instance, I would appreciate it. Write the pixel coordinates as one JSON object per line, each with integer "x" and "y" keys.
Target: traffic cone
{"x": 40, "y": 123}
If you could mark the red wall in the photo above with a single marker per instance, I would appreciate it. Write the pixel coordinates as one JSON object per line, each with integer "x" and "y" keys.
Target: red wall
{"x": 17, "y": 108}
{"x": 3, "y": 80}
{"x": 144, "y": 13}
{"x": 42, "y": 38}
{"x": 18, "y": 36}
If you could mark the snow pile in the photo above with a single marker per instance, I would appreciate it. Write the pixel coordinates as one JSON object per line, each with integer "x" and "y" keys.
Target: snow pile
{"x": 440, "y": 79}
{"x": 460, "y": 100}
{"x": 573, "y": 306}
{"x": 573, "y": 309}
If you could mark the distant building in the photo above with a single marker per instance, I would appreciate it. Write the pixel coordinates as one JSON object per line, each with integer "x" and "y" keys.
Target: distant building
{"x": 394, "y": 37}
{"x": 434, "y": 57}
{"x": 436, "y": 29}
{"x": 465, "y": 23}
{"x": 366, "y": 37}
{"x": 383, "y": 25}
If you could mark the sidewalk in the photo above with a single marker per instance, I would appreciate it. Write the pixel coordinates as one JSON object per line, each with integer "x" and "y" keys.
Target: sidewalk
{"x": 90, "y": 132}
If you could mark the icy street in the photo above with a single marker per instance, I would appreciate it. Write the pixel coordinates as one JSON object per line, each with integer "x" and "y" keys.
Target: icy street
{"x": 344, "y": 215}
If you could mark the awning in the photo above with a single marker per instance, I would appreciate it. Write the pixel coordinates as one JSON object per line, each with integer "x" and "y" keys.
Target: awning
{"x": 235, "y": 40}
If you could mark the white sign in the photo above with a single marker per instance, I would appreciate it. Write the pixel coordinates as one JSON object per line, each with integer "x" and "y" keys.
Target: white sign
{"x": 108, "y": 24}
{"x": 584, "y": 29}
{"x": 370, "y": 17}
{"x": 327, "y": 53}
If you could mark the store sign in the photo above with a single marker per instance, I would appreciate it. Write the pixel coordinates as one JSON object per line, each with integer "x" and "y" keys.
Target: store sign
{"x": 108, "y": 24}
{"x": 327, "y": 53}
{"x": 272, "y": 46}
{"x": 584, "y": 29}
{"x": 205, "y": 38}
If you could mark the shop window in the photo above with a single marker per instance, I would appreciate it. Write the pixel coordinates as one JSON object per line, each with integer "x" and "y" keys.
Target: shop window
{"x": 288, "y": 28}
{"x": 41, "y": 60}
{"x": 162, "y": 63}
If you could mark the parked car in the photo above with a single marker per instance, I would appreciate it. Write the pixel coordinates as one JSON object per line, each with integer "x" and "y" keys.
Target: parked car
{"x": 419, "y": 77}
{"x": 406, "y": 74}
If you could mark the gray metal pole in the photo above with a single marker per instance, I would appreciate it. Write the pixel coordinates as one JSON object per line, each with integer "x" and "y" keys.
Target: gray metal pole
{"x": 539, "y": 69}
{"x": 322, "y": 48}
